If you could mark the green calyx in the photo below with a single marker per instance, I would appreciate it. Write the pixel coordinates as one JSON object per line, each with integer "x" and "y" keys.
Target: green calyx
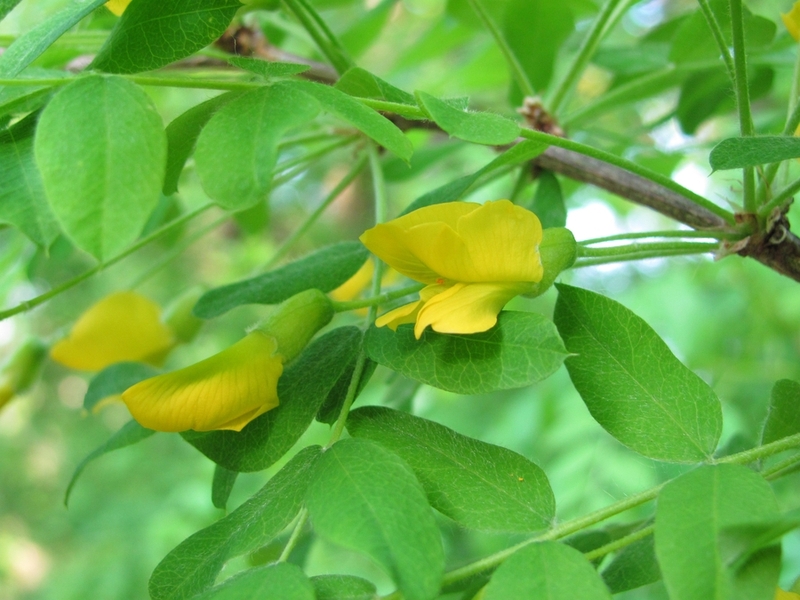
{"x": 179, "y": 318}
{"x": 296, "y": 320}
{"x": 558, "y": 251}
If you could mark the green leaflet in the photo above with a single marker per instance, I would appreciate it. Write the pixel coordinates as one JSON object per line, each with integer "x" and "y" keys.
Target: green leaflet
{"x": 182, "y": 134}
{"x": 361, "y": 83}
{"x": 548, "y": 201}
{"x": 535, "y": 30}
{"x": 6, "y": 6}
{"x": 479, "y": 485}
{"x": 783, "y": 418}
{"x": 546, "y": 571}
{"x": 194, "y": 564}
{"x": 692, "y": 511}
{"x": 360, "y": 36}
{"x": 153, "y": 33}
{"x": 634, "y": 566}
{"x": 267, "y": 68}
{"x": 282, "y": 581}
{"x": 238, "y": 149}
{"x": 326, "y": 269}
{"x": 303, "y": 387}
{"x": 457, "y": 189}
{"x": 366, "y": 120}
{"x": 129, "y": 434}
{"x": 632, "y": 383}
{"x": 343, "y": 587}
{"x": 222, "y": 486}
{"x": 479, "y": 128}
{"x": 22, "y": 199}
{"x": 115, "y": 379}
{"x": 735, "y": 153}
{"x": 521, "y": 349}
{"x": 30, "y": 45}
{"x": 101, "y": 149}
{"x": 358, "y": 494}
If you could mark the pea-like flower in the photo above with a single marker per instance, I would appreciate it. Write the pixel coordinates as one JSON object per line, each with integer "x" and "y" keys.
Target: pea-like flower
{"x": 792, "y": 21}
{"x": 123, "y": 326}
{"x": 233, "y": 387}
{"x": 117, "y": 6}
{"x": 474, "y": 259}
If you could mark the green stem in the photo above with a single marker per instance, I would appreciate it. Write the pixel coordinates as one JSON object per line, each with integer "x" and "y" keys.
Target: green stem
{"x": 575, "y": 525}
{"x": 312, "y": 218}
{"x": 743, "y": 98}
{"x": 594, "y": 262}
{"x": 350, "y": 397}
{"x": 404, "y": 110}
{"x": 780, "y": 198}
{"x": 620, "y": 543}
{"x": 629, "y": 249}
{"x": 779, "y": 469}
{"x": 302, "y": 518}
{"x": 716, "y": 31}
{"x": 517, "y": 72}
{"x": 669, "y": 233}
{"x": 628, "y": 166}
{"x": 41, "y": 299}
{"x": 377, "y": 300}
{"x": 313, "y": 155}
{"x": 590, "y": 42}
{"x": 334, "y": 41}
{"x": 331, "y": 52}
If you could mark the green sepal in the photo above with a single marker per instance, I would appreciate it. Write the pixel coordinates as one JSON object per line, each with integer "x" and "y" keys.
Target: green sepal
{"x": 558, "y": 251}
{"x": 296, "y": 320}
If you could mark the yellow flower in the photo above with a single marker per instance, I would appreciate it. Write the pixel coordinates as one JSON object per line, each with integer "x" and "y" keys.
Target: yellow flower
{"x": 225, "y": 391}
{"x": 792, "y": 21}
{"x": 352, "y": 288}
{"x": 122, "y": 326}
{"x": 117, "y": 6}
{"x": 233, "y": 387}
{"x": 781, "y": 595}
{"x": 473, "y": 257}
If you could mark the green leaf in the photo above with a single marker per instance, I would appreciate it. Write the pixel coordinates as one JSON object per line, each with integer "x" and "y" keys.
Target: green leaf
{"x": 535, "y": 30}
{"x": 361, "y": 83}
{"x": 360, "y": 36}
{"x": 548, "y": 201}
{"x": 783, "y": 418}
{"x": 735, "y": 153}
{"x": 23, "y": 203}
{"x": 634, "y": 566}
{"x": 366, "y": 120}
{"x": 546, "y": 571}
{"x": 632, "y": 383}
{"x": 475, "y": 127}
{"x": 343, "y": 587}
{"x": 521, "y": 349}
{"x": 222, "y": 486}
{"x": 267, "y": 68}
{"x": 326, "y": 269}
{"x": 153, "y": 33}
{"x": 194, "y": 564}
{"x": 456, "y": 190}
{"x": 129, "y": 434}
{"x": 282, "y": 581}
{"x": 29, "y": 46}
{"x": 182, "y": 134}
{"x": 302, "y": 389}
{"x": 741, "y": 543}
{"x": 6, "y": 6}
{"x": 692, "y": 511}
{"x": 114, "y": 380}
{"x": 101, "y": 149}
{"x": 479, "y": 485}
{"x": 238, "y": 148}
{"x": 359, "y": 492}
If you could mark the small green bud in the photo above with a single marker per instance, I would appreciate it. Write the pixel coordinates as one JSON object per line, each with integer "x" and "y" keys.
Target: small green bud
{"x": 558, "y": 251}
{"x": 297, "y": 320}
{"x": 179, "y": 318}
{"x": 20, "y": 370}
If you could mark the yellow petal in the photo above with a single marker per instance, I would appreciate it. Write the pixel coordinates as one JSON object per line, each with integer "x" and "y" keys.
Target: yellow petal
{"x": 466, "y": 307}
{"x": 117, "y": 6}
{"x": 225, "y": 391}
{"x": 781, "y": 595}
{"x": 399, "y": 316}
{"x": 389, "y": 240}
{"x": 122, "y": 326}
{"x": 352, "y": 288}
{"x": 792, "y": 21}
{"x": 498, "y": 242}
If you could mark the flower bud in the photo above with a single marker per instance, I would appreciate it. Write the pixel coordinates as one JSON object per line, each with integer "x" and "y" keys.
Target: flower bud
{"x": 297, "y": 320}
{"x": 19, "y": 371}
{"x": 558, "y": 250}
